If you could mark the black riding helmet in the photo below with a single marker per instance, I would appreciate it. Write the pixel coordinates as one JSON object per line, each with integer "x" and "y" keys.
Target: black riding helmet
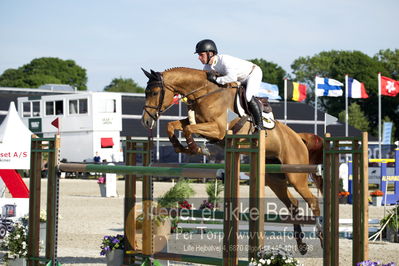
{"x": 206, "y": 46}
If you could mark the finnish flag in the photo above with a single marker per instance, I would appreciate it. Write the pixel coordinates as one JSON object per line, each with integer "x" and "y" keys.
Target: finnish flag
{"x": 328, "y": 87}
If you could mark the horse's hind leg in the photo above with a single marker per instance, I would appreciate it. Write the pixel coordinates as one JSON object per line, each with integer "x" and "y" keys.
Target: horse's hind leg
{"x": 278, "y": 184}
{"x": 300, "y": 183}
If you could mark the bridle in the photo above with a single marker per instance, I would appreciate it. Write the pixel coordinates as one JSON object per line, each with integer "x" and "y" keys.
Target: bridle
{"x": 161, "y": 84}
{"x": 151, "y": 84}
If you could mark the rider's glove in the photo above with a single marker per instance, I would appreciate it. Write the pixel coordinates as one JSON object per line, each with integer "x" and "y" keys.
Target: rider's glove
{"x": 211, "y": 77}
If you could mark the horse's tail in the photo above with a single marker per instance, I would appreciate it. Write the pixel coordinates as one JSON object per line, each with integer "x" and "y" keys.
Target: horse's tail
{"x": 314, "y": 145}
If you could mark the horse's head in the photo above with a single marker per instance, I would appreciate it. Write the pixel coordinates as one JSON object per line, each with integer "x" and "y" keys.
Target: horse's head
{"x": 157, "y": 98}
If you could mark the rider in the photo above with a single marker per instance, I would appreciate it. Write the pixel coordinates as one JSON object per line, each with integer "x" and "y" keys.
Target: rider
{"x": 232, "y": 69}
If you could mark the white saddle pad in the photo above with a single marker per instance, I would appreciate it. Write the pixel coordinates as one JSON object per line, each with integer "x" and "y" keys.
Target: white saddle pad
{"x": 268, "y": 120}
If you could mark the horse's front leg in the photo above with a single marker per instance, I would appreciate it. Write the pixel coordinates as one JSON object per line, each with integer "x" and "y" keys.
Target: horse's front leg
{"x": 171, "y": 128}
{"x": 211, "y": 130}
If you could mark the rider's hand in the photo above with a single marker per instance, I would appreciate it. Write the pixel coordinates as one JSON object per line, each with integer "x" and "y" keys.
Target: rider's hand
{"x": 211, "y": 77}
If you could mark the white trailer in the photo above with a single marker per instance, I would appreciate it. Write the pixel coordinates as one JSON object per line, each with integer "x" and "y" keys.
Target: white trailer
{"x": 89, "y": 123}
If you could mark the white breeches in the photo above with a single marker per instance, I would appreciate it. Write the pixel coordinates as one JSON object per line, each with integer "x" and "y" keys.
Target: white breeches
{"x": 253, "y": 83}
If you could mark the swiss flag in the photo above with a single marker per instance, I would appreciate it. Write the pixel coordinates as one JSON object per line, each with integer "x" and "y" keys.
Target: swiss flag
{"x": 389, "y": 87}
{"x": 56, "y": 122}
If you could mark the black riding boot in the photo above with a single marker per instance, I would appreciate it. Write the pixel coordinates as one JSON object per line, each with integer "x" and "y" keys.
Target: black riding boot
{"x": 256, "y": 114}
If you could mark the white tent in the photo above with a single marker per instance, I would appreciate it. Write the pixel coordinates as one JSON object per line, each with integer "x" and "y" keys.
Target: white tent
{"x": 15, "y": 139}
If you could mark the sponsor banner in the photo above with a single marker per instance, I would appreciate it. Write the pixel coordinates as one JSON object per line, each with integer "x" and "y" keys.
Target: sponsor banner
{"x": 15, "y": 155}
{"x": 390, "y": 178}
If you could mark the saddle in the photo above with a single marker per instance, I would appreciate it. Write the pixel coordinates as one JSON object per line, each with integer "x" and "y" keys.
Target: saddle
{"x": 242, "y": 109}
{"x": 263, "y": 102}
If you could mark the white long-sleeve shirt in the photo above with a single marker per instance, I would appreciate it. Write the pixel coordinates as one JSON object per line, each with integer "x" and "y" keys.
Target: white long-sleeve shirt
{"x": 230, "y": 68}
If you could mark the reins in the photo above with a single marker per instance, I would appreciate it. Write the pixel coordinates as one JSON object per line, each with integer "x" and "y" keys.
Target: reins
{"x": 207, "y": 94}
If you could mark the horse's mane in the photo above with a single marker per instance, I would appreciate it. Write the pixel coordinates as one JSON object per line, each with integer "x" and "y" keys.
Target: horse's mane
{"x": 185, "y": 74}
{"x": 182, "y": 69}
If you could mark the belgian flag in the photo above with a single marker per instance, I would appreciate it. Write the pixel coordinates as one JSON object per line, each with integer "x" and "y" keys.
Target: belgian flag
{"x": 296, "y": 91}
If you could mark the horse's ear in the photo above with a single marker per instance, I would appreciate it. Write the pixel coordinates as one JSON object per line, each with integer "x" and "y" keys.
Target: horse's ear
{"x": 156, "y": 75}
{"x": 147, "y": 73}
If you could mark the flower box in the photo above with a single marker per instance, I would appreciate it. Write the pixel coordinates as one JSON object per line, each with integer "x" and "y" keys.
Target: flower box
{"x": 42, "y": 238}
{"x": 17, "y": 262}
{"x": 376, "y": 200}
{"x": 376, "y": 197}
{"x": 42, "y": 234}
{"x": 114, "y": 257}
{"x": 103, "y": 190}
{"x": 343, "y": 197}
{"x": 343, "y": 200}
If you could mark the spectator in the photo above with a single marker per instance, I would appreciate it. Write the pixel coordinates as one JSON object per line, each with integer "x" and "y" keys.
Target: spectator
{"x": 97, "y": 158}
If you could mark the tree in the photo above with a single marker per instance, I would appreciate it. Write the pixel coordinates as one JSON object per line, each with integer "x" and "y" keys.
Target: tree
{"x": 45, "y": 70}
{"x": 272, "y": 73}
{"x": 356, "y": 117}
{"x": 123, "y": 85}
{"x": 390, "y": 60}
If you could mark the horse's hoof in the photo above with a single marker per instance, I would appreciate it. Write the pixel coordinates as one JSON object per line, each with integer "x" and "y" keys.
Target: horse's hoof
{"x": 303, "y": 248}
{"x": 205, "y": 151}
{"x": 182, "y": 150}
{"x": 320, "y": 236}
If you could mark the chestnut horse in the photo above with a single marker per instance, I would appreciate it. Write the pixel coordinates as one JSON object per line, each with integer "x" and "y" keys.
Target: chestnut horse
{"x": 210, "y": 103}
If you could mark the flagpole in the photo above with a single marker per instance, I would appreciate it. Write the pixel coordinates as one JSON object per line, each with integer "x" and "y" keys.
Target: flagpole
{"x": 346, "y": 105}
{"x": 379, "y": 133}
{"x": 285, "y": 100}
{"x": 179, "y": 154}
{"x": 315, "y": 106}
{"x": 379, "y": 115}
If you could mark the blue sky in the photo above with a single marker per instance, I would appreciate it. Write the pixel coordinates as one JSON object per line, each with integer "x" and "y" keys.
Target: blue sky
{"x": 113, "y": 39}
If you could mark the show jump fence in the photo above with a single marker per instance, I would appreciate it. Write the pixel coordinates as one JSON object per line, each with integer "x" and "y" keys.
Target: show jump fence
{"x": 358, "y": 147}
{"x": 254, "y": 146}
{"x": 39, "y": 147}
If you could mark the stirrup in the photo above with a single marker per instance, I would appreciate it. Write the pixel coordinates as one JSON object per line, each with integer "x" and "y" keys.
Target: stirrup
{"x": 258, "y": 128}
